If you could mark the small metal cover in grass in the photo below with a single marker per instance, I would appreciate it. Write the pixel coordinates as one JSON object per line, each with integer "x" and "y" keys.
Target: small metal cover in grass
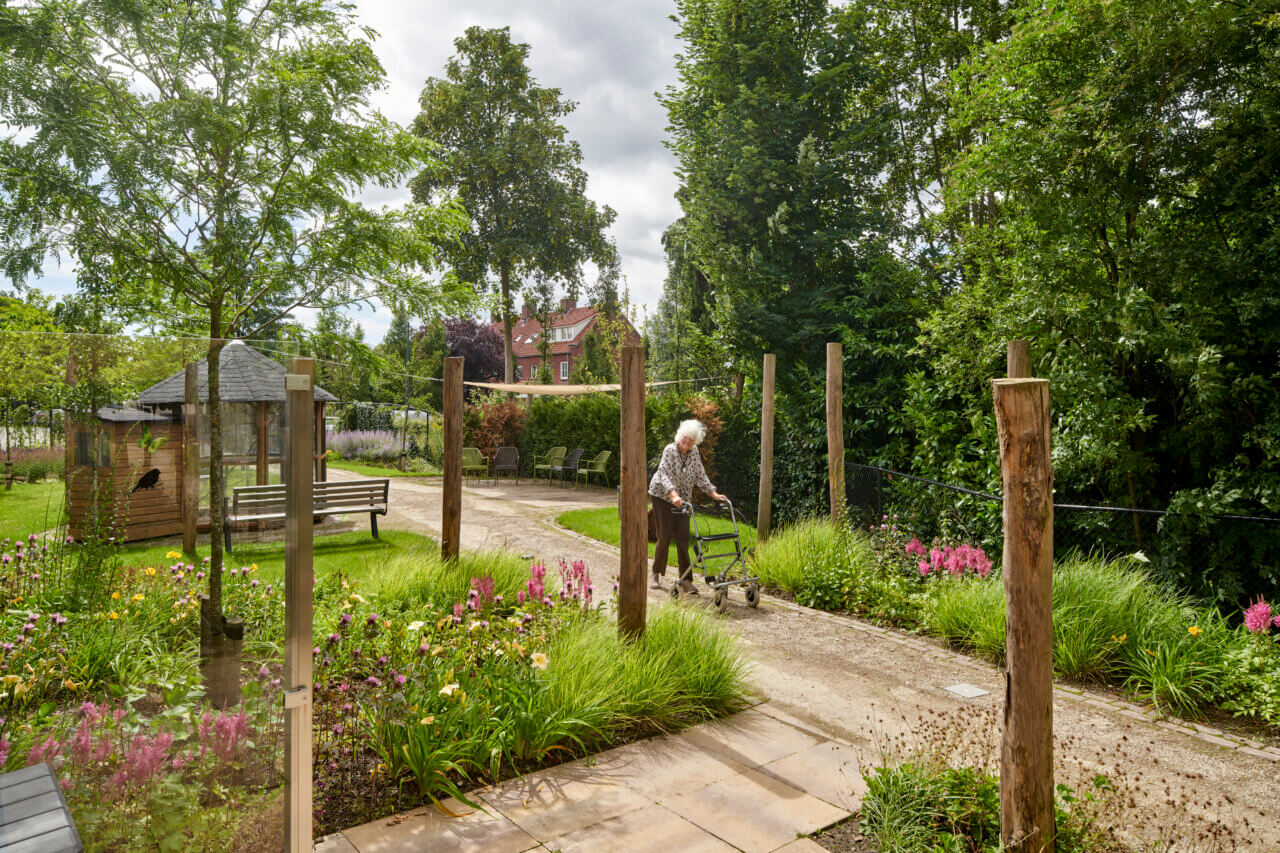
{"x": 967, "y": 691}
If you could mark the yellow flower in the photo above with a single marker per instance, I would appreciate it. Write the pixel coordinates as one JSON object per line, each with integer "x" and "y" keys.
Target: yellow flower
{"x": 151, "y": 572}
{"x": 426, "y": 721}
{"x": 1194, "y": 630}
{"x": 539, "y": 660}
{"x": 114, "y": 615}
{"x": 137, "y": 597}
{"x": 449, "y": 689}
{"x": 1148, "y": 651}
{"x": 115, "y": 595}
{"x": 1119, "y": 639}
{"x": 172, "y": 555}
{"x": 70, "y": 685}
{"x": 253, "y": 568}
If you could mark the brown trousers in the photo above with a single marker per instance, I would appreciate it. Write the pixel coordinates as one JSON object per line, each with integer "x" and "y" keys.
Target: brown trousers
{"x": 670, "y": 525}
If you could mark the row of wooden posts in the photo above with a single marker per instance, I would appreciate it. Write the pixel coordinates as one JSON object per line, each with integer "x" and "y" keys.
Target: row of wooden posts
{"x": 1022, "y": 418}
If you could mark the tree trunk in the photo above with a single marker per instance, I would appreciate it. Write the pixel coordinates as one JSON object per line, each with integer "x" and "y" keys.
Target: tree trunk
{"x": 508, "y": 356}
{"x": 216, "y": 483}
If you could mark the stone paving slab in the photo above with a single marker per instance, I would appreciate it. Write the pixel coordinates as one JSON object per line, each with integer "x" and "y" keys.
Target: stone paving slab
{"x": 652, "y": 829}
{"x": 560, "y": 801}
{"x": 829, "y": 771}
{"x": 662, "y": 765}
{"x": 755, "y": 812}
{"x": 430, "y": 829}
{"x": 751, "y": 738}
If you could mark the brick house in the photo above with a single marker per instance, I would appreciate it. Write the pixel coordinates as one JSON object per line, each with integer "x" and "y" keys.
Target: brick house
{"x": 570, "y": 326}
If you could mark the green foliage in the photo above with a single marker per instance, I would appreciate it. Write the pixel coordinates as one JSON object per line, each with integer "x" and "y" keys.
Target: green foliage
{"x": 508, "y": 159}
{"x": 421, "y": 578}
{"x": 920, "y": 805}
{"x": 1251, "y": 681}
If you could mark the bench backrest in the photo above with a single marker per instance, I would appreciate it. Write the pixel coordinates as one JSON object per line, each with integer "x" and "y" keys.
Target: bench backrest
{"x": 331, "y": 494}
{"x": 472, "y": 456}
{"x": 570, "y": 461}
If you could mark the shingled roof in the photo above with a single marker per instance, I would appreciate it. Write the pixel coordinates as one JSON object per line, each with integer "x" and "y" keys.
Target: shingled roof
{"x": 245, "y": 376}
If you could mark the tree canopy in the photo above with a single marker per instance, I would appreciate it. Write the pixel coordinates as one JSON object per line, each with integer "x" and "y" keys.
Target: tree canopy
{"x": 509, "y": 160}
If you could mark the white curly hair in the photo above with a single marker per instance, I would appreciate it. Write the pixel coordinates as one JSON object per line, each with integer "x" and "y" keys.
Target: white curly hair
{"x": 691, "y": 429}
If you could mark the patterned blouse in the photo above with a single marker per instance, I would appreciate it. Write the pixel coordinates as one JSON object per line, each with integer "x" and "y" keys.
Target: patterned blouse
{"x": 681, "y": 473}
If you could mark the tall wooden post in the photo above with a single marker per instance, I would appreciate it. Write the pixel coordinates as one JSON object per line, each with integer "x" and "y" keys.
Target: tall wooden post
{"x": 764, "y": 506}
{"x": 299, "y": 580}
{"x": 738, "y": 380}
{"x": 1019, "y": 359}
{"x": 451, "y": 501}
{"x": 631, "y": 503}
{"x": 190, "y": 457}
{"x": 835, "y": 428}
{"x": 261, "y": 461}
{"x": 1026, "y": 752}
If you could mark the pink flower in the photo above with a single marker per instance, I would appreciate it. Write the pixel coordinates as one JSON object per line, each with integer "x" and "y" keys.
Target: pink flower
{"x": 1257, "y": 619}
{"x": 924, "y": 569}
{"x": 916, "y": 547}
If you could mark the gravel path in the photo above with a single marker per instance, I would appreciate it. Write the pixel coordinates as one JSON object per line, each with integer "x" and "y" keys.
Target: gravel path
{"x": 880, "y": 690}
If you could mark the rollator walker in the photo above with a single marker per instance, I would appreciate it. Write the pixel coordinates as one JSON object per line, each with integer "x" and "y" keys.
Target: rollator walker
{"x": 720, "y": 570}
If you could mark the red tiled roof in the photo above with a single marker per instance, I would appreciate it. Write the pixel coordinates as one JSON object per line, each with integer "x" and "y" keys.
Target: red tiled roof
{"x": 522, "y": 330}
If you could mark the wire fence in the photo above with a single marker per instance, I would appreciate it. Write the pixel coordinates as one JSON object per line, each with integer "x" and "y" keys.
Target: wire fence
{"x": 1215, "y": 555}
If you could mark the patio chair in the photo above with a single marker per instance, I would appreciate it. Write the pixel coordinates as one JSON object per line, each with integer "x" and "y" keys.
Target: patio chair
{"x": 569, "y": 465}
{"x": 473, "y": 461}
{"x": 507, "y": 459}
{"x": 595, "y": 466}
{"x": 554, "y": 456}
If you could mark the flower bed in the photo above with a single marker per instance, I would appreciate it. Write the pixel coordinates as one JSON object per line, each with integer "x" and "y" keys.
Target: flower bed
{"x": 1112, "y": 622}
{"x": 431, "y": 678}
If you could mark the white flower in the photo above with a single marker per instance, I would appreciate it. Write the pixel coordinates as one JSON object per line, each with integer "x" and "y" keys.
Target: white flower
{"x": 415, "y": 626}
{"x": 448, "y": 689}
{"x": 539, "y": 660}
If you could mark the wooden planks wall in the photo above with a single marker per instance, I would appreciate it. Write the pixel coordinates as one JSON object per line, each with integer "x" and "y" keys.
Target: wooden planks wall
{"x": 150, "y": 512}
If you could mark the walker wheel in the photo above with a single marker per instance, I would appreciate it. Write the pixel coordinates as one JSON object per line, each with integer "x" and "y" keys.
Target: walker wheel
{"x": 720, "y": 600}
{"x": 675, "y": 589}
{"x": 753, "y": 595}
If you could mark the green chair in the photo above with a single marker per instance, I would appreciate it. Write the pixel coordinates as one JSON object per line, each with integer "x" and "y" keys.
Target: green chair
{"x": 595, "y": 466}
{"x": 553, "y": 457}
{"x": 473, "y": 461}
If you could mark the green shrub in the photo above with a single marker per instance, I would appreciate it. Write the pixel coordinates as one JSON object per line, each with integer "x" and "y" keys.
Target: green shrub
{"x": 1251, "y": 680}
{"x": 788, "y": 559}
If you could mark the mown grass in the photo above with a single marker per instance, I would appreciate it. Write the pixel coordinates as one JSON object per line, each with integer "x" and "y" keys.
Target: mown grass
{"x": 369, "y": 469}
{"x": 30, "y": 508}
{"x": 603, "y": 524}
{"x": 355, "y": 554}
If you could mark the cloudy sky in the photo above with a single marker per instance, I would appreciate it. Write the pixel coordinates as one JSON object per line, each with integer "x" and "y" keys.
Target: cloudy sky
{"x": 609, "y": 56}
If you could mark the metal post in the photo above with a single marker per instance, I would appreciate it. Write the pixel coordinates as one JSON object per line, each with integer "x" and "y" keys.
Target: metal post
{"x": 298, "y": 591}
{"x": 835, "y": 429}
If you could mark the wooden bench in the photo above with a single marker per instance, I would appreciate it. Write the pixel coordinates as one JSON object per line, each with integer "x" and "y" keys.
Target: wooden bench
{"x": 334, "y": 497}
{"x": 34, "y": 817}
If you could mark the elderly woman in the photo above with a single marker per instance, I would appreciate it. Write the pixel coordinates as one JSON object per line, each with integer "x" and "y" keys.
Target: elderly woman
{"x": 681, "y": 469}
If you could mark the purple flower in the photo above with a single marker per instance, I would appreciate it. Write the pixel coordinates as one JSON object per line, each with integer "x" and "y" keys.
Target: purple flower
{"x": 334, "y": 637}
{"x": 400, "y": 680}
{"x": 253, "y": 582}
{"x": 315, "y": 652}
{"x": 373, "y": 681}
{"x": 422, "y": 649}
{"x": 373, "y": 619}
{"x": 345, "y": 620}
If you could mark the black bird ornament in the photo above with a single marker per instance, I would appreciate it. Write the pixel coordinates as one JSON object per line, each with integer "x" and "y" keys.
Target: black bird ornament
{"x": 148, "y": 480}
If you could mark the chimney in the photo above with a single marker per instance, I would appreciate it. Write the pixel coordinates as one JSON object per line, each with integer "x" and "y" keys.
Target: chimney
{"x": 526, "y": 311}
{"x": 567, "y": 305}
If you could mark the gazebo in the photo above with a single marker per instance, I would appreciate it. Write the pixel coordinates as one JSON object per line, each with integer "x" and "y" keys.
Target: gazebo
{"x": 252, "y": 390}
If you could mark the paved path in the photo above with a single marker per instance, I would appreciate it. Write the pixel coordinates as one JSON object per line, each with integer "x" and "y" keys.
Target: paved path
{"x": 849, "y": 684}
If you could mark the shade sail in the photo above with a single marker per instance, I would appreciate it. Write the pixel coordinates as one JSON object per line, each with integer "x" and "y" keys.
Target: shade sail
{"x": 559, "y": 390}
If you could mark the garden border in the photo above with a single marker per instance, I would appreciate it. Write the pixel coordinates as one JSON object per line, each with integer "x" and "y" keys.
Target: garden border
{"x": 1208, "y": 734}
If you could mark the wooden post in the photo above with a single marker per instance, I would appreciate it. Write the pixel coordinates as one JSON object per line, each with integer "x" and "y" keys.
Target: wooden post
{"x": 632, "y": 598}
{"x": 451, "y": 500}
{"x": 322, "y": 436}
{"x": 835, "y": 429}
{"x": 765, "y": 505}
{"x": 738, "y": 379}
{"x": 262, "y": 478}
{"x": 1019, "y": 360}
{"x": 190, "y": 458}
{"x": 299, "y": 580}
{"x": 1026, "y": 752}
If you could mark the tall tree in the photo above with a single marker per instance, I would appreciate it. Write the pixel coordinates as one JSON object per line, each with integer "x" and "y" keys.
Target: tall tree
{"x": 479, "y": 346}
{"x": 199, "y": 160}
{"x": 509, "y": 160}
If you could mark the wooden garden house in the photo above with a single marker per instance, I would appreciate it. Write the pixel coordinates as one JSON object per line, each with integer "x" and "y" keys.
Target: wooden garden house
{"x": 142, "y": 461}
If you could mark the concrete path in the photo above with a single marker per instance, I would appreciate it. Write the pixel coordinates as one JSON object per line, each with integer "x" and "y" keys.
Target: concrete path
{"x": 870, "y": 690}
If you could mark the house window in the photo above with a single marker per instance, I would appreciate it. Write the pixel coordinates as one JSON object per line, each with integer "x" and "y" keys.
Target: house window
{"x": 564, "y": 370}
{"x": 519, "y": 371}
{"x": 84, "y": 447}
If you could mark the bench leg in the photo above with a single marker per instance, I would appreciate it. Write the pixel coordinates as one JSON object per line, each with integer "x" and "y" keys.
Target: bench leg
{"x": 373, "y": 523}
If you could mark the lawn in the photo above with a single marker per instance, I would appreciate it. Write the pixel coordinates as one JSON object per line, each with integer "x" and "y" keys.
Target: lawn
{"x": 30, "y": 508}
{"x": 603, "y": 524}
{"x": 368, "y": 469}
{"x": 355, "y": 554}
